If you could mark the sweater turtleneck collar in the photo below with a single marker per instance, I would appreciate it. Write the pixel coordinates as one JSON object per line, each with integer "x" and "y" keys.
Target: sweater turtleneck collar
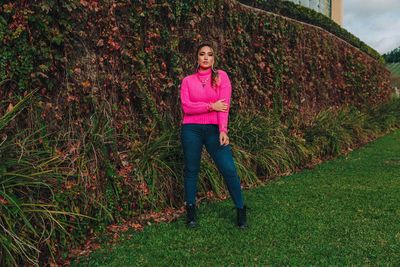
{"x": 204, "y": 72}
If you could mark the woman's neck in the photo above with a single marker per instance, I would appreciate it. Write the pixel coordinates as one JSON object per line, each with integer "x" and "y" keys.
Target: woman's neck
{"x": 204, "y": 72}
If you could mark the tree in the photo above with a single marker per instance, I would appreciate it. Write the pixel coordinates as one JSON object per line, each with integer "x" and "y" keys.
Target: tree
{"x": 392, "y": 56}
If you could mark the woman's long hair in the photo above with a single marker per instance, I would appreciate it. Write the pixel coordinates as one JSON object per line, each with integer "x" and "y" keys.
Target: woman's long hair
{"x": 214, "y": 72}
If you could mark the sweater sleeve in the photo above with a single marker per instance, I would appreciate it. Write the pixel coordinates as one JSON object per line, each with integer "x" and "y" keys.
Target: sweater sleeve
{"x": 190, "y": 107}
{"x": 225, "y": 93}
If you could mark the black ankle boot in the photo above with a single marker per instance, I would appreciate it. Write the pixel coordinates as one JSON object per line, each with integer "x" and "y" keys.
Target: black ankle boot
{"x": 241, "y": 217}
{"x": 191, "y": 215}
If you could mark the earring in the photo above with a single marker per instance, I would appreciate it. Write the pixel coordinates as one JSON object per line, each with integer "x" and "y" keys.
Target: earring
{"x": 212, "y": 67}
{"x": 197, "y": 68}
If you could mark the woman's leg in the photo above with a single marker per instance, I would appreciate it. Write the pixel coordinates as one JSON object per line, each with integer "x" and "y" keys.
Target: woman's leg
{"x": 222, "y": 156}
{"x": 191, "y": 138}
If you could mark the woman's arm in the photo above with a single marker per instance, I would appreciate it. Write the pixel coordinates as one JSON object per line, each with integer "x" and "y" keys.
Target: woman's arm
{"x": 224, "y": 93}
{"x": 190, "y": 107}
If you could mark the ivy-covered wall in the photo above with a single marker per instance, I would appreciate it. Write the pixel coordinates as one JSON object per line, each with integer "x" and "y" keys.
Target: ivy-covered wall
{"x": 134, "y": 54}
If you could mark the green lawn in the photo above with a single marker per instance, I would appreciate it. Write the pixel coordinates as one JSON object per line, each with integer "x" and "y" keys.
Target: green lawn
{"x": 394, "y": 68}
{"x": 342, "y": 212}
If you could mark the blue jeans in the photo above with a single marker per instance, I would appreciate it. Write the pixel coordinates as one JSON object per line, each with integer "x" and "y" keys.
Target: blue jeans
{"x": 193, "y": 136}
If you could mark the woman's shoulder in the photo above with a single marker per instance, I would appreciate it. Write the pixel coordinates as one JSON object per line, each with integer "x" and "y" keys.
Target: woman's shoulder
{"x": 188, "y": 76}
{"x": 223, "y": 74}
{"x": 221, "y": 71}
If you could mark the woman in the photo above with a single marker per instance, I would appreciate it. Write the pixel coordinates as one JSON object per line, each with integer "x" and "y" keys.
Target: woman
{"x": 205, "y": 98}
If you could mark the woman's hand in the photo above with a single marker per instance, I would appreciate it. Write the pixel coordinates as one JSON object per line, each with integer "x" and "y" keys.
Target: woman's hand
{"x": 223, "y": 138}
{"x": 219, "y": 105}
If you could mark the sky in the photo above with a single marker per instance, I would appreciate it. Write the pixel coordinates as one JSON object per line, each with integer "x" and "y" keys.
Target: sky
{"x": 375, "y": 22}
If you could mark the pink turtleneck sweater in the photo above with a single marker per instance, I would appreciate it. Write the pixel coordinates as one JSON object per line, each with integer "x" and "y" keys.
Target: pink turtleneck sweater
{"x": 196, "y": 100}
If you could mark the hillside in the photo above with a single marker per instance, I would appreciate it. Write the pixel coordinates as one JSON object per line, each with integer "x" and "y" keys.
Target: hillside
{"x": 394, "y": 68}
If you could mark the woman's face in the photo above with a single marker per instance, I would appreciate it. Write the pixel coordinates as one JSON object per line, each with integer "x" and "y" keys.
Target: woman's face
{"x": 205, "y": 57}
